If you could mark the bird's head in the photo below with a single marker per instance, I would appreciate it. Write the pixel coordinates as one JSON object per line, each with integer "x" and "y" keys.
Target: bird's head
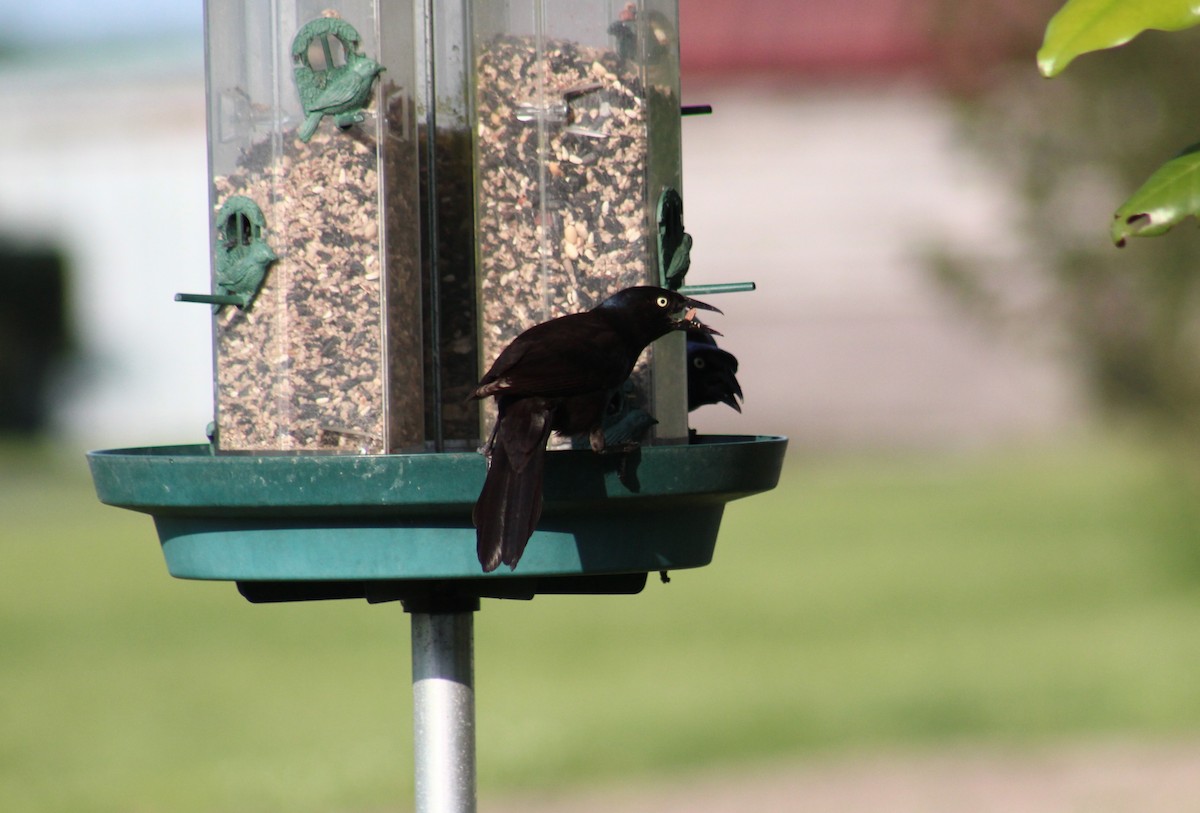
{"x": 656, "y": 311}
{"x": 365, "y": 67}
{"x": 711, "y": 375}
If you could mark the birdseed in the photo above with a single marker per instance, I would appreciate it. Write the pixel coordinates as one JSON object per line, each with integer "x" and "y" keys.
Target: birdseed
{"x": 557, "y": 198}
{"x": 301, "y": 369}
{"x": 562, "y": 205}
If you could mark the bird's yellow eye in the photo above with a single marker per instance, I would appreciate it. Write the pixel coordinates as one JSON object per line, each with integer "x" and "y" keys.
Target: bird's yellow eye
{"x": 662, "y": 301}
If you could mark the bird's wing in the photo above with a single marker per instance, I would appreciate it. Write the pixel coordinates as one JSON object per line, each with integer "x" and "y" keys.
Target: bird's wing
{"x": 568, "y": 356}
{"x": 341, "y": 91}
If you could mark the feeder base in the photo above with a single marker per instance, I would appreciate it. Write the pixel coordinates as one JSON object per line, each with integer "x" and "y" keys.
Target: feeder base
{"x": 389, "y": 527}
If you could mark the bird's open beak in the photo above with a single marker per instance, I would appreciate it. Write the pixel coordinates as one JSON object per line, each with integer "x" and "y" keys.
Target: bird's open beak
{"x": 731, "y": 391}
{"x": 688, "y": 319}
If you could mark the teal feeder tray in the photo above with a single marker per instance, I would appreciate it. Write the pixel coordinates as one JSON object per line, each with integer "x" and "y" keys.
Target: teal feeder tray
{"x": 399, "y": 526}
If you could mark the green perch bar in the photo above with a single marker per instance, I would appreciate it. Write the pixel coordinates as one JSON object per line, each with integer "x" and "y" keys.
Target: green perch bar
{"x": 213, "y": 299}
{"x": 717, "y": 288}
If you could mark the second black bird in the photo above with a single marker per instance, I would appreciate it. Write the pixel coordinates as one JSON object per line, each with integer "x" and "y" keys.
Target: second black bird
{"x": 712, "y": 373}
{"x": 558, "y": 376}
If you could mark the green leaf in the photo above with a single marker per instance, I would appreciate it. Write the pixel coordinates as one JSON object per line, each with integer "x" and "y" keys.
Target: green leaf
{"x": 1166, "y": 198}
{"x": 1081, "y": 26}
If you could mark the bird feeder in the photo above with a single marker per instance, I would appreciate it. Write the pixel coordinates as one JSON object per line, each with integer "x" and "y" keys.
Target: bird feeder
{"x": 397, "y": 191}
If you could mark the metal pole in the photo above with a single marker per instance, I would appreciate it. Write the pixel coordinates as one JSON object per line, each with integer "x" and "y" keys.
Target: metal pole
{"x": 443, "y": 655}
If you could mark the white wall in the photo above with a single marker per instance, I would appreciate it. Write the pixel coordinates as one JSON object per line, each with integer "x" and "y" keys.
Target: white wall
{"x": 116, "y": 176}
{"x": 829, "y": 199}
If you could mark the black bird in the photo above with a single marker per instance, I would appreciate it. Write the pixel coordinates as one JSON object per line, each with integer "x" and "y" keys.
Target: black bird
{"x": 711, "y": 373}
{"x": 560, "y": 376}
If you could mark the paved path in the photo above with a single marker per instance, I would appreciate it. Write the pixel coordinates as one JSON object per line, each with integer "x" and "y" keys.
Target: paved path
{"x": 1093, "y": 778}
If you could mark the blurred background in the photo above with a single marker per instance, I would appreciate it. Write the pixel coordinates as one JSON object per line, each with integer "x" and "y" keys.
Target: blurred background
{"x": 976, "y": 587}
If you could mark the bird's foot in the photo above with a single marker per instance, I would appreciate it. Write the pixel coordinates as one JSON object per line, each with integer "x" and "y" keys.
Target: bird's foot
{"x": 628, "y": 453}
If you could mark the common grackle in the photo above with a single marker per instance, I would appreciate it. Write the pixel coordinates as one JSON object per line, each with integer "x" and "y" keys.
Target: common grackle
{"x": 711, "y": 373}
{"x": 559, "y": 376}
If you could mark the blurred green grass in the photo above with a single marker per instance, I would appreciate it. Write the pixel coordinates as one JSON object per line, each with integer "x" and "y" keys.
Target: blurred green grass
{"x": 1028, "y": 595}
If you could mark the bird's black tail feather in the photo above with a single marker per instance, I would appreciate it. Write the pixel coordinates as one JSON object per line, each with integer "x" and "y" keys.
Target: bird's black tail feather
{"x": 510, "y": 504}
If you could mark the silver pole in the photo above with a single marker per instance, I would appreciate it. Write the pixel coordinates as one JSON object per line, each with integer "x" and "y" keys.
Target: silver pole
{"x": 444, "y": 711}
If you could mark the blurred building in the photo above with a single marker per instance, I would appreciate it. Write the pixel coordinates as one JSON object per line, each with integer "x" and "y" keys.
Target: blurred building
{"x": 831, "y": 173}
{"x": 34, "y": 336}
{"x": 106, "y": 163}
{"x": 827, "y": 174}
